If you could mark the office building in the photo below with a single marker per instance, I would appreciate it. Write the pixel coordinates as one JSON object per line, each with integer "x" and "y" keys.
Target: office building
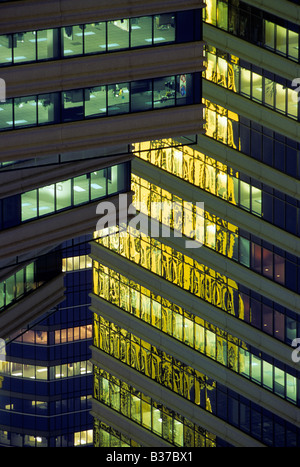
{"x": 194, "y": 346}
{"x": 82, "y": 83}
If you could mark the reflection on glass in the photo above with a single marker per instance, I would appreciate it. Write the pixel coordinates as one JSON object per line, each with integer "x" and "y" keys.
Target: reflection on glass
{"x": 257, "y": 87}
{"x": 164, "y": 28}
{"x": 141, "y": 31}
{"x": 72, "y": 40}
{"x": 48, "y": 108}
{"x": 269, "y": 92}
{"x": 29, "y": 205}
{"x": 24, "y": 46}
{"x": 164, "y": 92}
{"x": 141, "y": 95}
{"x": 270, "y": 34}
{"x": 95, "y": 38}
{"x": 281, "y": 42}
{"x": 25, "y": 111}
{"x": 6, "y": 114}
{"x": 293, "y": 45}
{"x": 6, "y": 47}
{"x": 118, "y": 98}
{"x": 245, "y": 82}
{"x": 95, "y": 101}
{"x": 47, "y": 44}
{"x": 63, "y": 194}
{"x": 72, "y": 105}
{"x": 81, "y": 189}
{"x": 46, "y": 199}
{"x": 98, "y": 183}
{"x": 118, "y": 34}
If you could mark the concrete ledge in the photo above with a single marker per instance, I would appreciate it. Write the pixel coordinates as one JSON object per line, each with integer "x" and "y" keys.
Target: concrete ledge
{"x": 243, "y": 106}
{"x": 54, "y": 13}
{"x": 101, "y": 132}
{"x": 252, "y": 53}
{"x": 217, "y": 206}
{"x": 199, "y": 307}
{"x": 102, "y": 69}
{"x": 196, "y": 360}
{"x": 285, "y": 10}
{"x": 31, "y": 306}
{"x": 248, "y": 165}
{"x": 22, "y": 180}
{"x": 54, "y": 229}
{"x": 172, "y": 400}
{"x": 129, "y": 428}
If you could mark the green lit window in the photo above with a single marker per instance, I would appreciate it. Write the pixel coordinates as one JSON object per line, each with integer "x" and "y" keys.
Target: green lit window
{"x": 72, "y": 40}
{"x": 95, "y": 38}
{"x": 46, "y": 199}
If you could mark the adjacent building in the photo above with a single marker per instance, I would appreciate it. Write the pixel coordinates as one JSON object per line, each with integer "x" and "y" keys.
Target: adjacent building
{"x": 82, "y": 83}
{"x": 194, "y": 346}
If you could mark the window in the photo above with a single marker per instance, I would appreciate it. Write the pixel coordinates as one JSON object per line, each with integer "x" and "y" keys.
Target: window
{"x": 48, "y": 108}
{"x": 164, "y": 28}
{"x": 72, "y": 103}
{"x": 47, "y": 44}
{"x": 72, "y": 40}
{"x": 141, "y": 31}
{"x": 25, "y": 111}
{"x": 24, "y": 46}
{"x": 164, "y": 92}
{"x": 95, "y": 104}
{"x": 81, "y": 189}
{"x": 118, "y": 34}
{"x": 118, "y": 98}
{"x": 63, "y": 194}
{"x": 95, "y": 38}
{"x": 141, "y": 95}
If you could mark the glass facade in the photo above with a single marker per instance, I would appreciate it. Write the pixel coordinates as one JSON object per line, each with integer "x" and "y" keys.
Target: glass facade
{"x": 178, "y": 377}
{"x": 46, "y": 393}
{"x": 253, "y": 140}
{"x": 217, "y": 234}
{"x": 207, "y": 173}
{"x": 255, "y": 26}
{"x": 100, "y": 37}
{"x": 147, "y": 413}
{"x": 251, "y": 82}
{"x": 100, "y": 101}
{"x": 64, "y": 195}
{"x": 195, "y": 332}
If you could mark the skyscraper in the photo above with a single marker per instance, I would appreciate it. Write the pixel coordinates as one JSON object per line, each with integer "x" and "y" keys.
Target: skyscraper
{"x": 79, "y": 84}
{"x": 196, "y": 346}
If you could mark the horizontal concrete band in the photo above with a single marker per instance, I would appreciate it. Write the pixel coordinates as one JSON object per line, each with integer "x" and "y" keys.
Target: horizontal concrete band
{"x": 284, "y": 10}
{"x": 32, "y": 306}
{"x": 196, "y": 360}
{"x": 101, "y": 132}
{"x": 126, "y": 426}
{"x": 104, "y": 69}
{"x": 55, "y": 13}
{"x": 52, "y": 230}
{"x": 229, "y": 268}
{"x": 247, "y": 165}
{"x": 193, "y": 304}
{"x": 172, "y": 400}
{"x": 22, "y": 180}
{"x": 251, "y": 53}
{"x": 257, "y": 112}
{"x": 217, "y": 206}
